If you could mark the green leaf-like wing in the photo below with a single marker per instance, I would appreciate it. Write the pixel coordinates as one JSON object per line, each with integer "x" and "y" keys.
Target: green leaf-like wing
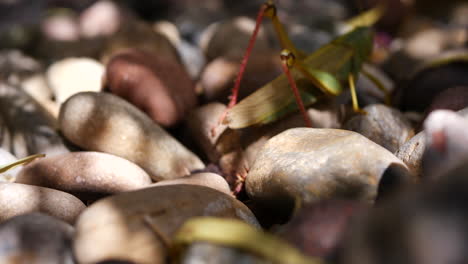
{"x": 326, "y": 68}
{"x": 271, "y": 102}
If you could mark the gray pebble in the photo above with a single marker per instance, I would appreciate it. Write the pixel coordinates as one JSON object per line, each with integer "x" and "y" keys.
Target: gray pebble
{"x": 35, "y": 238}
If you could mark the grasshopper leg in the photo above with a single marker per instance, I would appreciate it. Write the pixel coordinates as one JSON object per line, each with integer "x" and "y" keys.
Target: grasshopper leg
{"x": 354, "y": 99}
{"x": 287, "y": 61}
{"x": 235, "y": 90}
{"x": 268, "y": 9}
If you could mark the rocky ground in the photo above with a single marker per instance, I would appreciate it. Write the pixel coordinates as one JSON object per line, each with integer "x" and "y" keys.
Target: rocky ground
{"x": 124, "y": 99}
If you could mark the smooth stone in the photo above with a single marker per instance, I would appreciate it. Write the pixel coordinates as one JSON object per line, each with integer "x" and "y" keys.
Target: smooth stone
{"x": 431, "y": 78}
{"x": 411, "y": 153}
{"x": 36, "y": 86}
{"x": 306, "y": 38}
{"x": 424, "y": 225}
{"x": 5, "y": 159}
{"x": 323, "y": 115}
{"x": 218, "y": 77}
{"x": 446, "y": 142}
{"x": 169, "y": 30}
{"x": 367, "y": 88}
{"x": 136, "y": 34}
{"x": 318, "y": 229}
{"x": 223, "y": 147}
{"x": 386, "y": 126}
{"x": 217, "y": 40}
{"x": 17, "y": 199}
{"x": 309, "y": 165}
{"x": 85, "y": 174}
{"x": 106, "y": 123}
{"x": 102, "y": 18}
{"x": 191, "y": 55}
{"x": 453, "y": 98}
{"x": 424, "y": 42}
{"x": 206, "y": 179}
{"x": 203, "y": 252}
{"x": 158, "y": 86}
{"x": 26, "y": 128}
{"x": 201, "y": 124}
{"x": 433, "y": 41}
{"x": 60, "y": 26}
{"x": 137, "y": 226}
{"x": 73, "y": 75}
{"x": 16, "y": 65}
{"x": 36, "y": 238}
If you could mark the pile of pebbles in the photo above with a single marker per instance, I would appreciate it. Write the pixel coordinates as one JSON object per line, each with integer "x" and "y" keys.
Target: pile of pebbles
{"x": 124, "y": 99}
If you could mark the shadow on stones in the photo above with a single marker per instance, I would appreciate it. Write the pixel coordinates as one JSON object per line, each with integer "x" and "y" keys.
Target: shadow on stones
{"x": 115, "y": 262}
{"x": 100, "y": 126}
{"x": 26, "y": 128}
{"x": 393, "y": 179}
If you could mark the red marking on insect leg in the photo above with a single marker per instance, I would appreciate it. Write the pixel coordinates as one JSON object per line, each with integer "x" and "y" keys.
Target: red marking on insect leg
{"x": 295, "y": 90}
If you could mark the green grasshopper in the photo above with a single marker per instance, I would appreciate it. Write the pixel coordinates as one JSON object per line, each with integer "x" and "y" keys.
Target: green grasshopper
{"x": 327, "y": 68}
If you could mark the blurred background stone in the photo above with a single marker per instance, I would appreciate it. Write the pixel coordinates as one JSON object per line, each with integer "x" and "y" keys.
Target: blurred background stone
{"x": 37, "y": 239}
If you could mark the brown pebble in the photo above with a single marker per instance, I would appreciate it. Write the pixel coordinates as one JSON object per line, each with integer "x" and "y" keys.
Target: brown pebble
{"x": 158, "y": 86}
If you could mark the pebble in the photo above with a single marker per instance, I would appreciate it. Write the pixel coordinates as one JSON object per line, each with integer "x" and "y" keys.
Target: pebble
{"x": 200, "y": 124}
{"x": 384, "y": 125}
{"x": 16, "y": 65}
{"x": 308, "y": 165}
{"x": 60, "y": 26}
{"x": 73, "y": 75}
{"x": 27, "y": 129}
{"x": 453, "y": 98}
{"x": 17, "y": 199}
{"x": 318, "y": 229}
{"x": 411, "y": 153}
{"x": 5, "y": 159}
{"x": 36, "y": 86}
{"x": 424, "y": 225}
{"x": 137, "y": 226}
{"x": 160, "y": 87}
{"x": 368, "y": 89}
{"x": 322, "y": 115}
{"x": 106, "y": 123}
{"x": 217, "y": 41}
{"x": 423, "y": 42}
{"x": 202, "y": 252}
{"x": 102, "y": 18}
{"x": 36, "y": 238}
{"x": 433, "y": 41}
{"x": 431, "y": 78}
{"x": 207, "y": 179}
{"x": 446, "y": 142}
{"x": 85, "y": 174}
{"x": 222, "y": 148}
{"x": 217, "y": 78}
{"x": 191, "y": 55}
{"x": 135, "y": 34}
